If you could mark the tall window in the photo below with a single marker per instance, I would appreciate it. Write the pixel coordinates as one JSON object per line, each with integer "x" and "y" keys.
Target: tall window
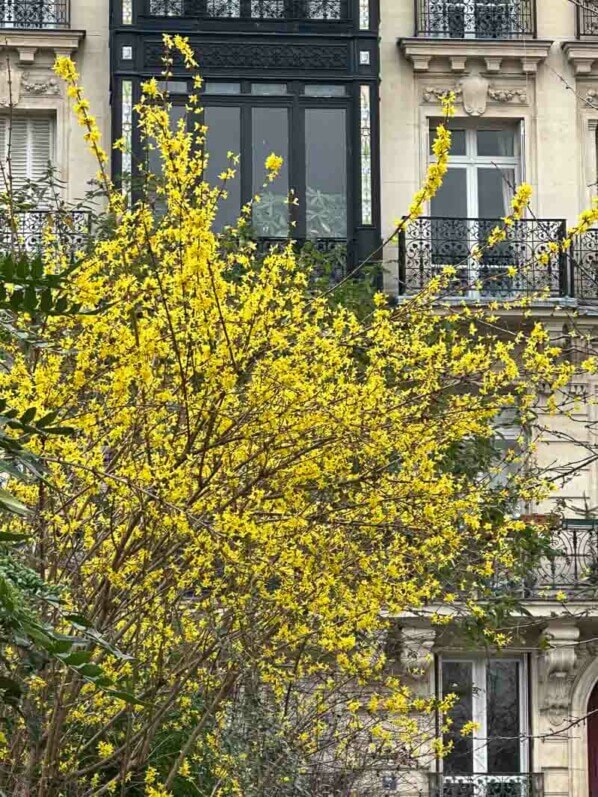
{"x": 30, "y": 142}
{"x": 484, "y": 169}
{"x": 308, "y": 126}
{"x": 491, "y": 694}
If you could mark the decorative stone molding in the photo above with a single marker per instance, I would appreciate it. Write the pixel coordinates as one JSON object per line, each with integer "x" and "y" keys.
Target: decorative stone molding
{"x": 582, "y": 55}
{"x": 558, "y": 668}
{"x": 476, "y": 92}
{"x": 518, "y": 96}
{"x": 591, "y": 98}
{"x": 423, "y": 52}
{"x": 10, "y": 87}
{"x": 28, "y": 43}
{"x": 416, "y": 655}
{"x": 38, "y": 84}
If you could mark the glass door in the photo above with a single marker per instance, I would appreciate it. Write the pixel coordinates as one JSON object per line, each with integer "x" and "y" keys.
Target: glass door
{"x": 473, "y": 199}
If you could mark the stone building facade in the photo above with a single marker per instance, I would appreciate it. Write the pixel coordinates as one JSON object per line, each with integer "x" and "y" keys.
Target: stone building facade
{"x": 32, "y": 34}
{"x": 525, "y": 77}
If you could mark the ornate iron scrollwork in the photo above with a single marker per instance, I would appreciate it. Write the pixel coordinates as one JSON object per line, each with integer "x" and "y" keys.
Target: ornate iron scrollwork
{"x": 510, "y": 269}
{"x": 34, "y": 14}
{"x": 481, "y": 19}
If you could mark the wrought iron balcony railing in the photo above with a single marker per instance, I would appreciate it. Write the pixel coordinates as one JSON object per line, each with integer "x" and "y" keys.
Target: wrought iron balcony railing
{"x": 508, "y": 270}
{"x": 585, "y": 265}
{"x": 487, "y": 785}
{"x": 476, "y": 19}
{"x": 587, "y": 18}
{"x": 29, "y": 231}
{"x": 35, "y": 14}
{"x": 571, "y": 568}
{"x": 300, "y": 10}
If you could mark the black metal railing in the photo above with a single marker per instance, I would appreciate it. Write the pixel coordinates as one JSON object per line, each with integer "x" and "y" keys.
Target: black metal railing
{"x": 531, "y": 785}
{"x": 584, "y": 254}
{"x": 476, "y": 19}
{"x": 302, "y": 10}
{"x": 511, "y": 268}
{"x": 30, "y": 229}
{"x": 587, "y": 18}
{"x": 571, "y": 567}
{"x": 34, "y": 14}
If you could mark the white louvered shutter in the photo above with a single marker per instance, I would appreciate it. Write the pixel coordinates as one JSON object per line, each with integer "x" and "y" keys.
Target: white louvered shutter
{"x": 40, "y": 147}
{"x": 30, "y": 143}
{"x": 18, "y": 150}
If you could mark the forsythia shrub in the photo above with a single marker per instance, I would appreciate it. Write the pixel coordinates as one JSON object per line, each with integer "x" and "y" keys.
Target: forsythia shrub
{"x": 258, "y": 481}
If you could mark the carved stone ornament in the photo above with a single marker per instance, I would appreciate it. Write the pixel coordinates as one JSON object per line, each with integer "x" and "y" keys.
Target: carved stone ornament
{"x": 474, "y": 89}
{"x": 467, "y": 94}
{"x": 39, "y": 85}
{"x": 10, "y": 86}
{"x": 558, "y": 668}
{"x": 416, "y": 651}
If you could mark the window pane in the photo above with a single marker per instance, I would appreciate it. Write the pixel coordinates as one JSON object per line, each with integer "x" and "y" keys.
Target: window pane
{"x": 270, "y": 127}
{"x": 326, "y": 172}
{"x": 268, "y": 89}
{"x": 218, "y": 87}
{"x": 451, "y": 199}
{"x": 457, "y": 679}
{"x": 458, "y": 143}
{"x": 496, "y": 142}
{"x": 495, "y": 191}
{"x": 173, "y": 86}
{"x": 322, "y": 90}
{"x": 224, "y": 136}
{"x": 504, "y": 722}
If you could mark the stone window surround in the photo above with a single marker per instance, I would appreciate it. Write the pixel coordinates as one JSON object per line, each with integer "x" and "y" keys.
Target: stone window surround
{"x": 522, "y": 115}
{"x": 35, "y": 87}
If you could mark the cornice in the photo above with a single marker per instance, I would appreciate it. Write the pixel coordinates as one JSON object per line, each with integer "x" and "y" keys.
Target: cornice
{"x": 28, "y": 42}
{"x": 582, "y": 55}
{"x": 529, "y": 52}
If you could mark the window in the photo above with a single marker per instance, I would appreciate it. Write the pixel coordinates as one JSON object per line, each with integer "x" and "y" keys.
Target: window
{"x": 30, "y": 141}
{"x": 484, "y": 169}
{"x": 308, "y": 129}
{"x": 490, "y": 693}
{"x": 33, "y": 13}
{"x": 487, "y": 19}
{"x": 321, "y": 10}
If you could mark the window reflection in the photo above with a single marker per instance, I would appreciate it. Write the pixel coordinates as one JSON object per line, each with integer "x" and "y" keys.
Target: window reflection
{"x": 326, "y": 172}
{"x": 270, "y": 133}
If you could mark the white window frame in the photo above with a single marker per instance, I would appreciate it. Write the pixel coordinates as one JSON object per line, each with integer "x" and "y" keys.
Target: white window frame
{"x": 479, "y": 713}
{"x": 471, "y": 161}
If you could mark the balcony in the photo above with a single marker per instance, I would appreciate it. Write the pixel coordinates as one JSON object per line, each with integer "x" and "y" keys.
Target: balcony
{"x": 486, "y": 785}
{"x": 571, "y": 569}
{"x": 475, "y": 19}
{"x": 72, "y": 228}
{"x": 35, "y": 14}
{"x": 587, "y": 19}
{"x": 430, "y": 243}
{"x": 265, "y": 10}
